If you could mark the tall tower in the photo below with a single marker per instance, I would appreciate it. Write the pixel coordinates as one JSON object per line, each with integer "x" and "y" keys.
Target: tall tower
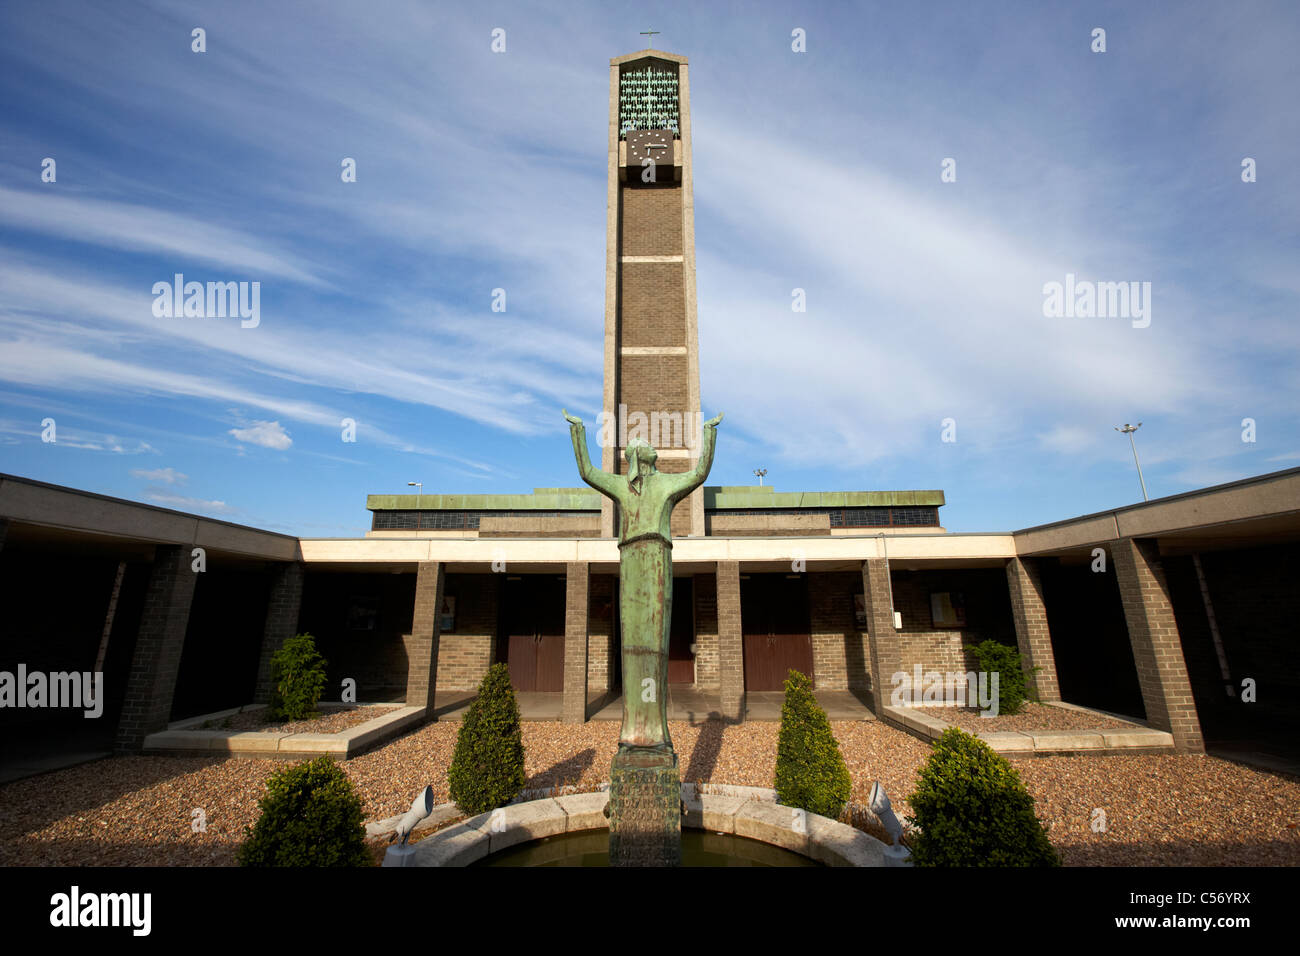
{"x": 652, "y": 370}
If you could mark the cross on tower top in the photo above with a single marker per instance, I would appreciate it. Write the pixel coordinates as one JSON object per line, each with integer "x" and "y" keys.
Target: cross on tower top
{"x": 649, "y": 33}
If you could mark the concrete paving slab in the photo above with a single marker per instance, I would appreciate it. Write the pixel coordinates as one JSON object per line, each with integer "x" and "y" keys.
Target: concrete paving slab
{"x": 1143, "y": 737}
{"x": 1072, "y": 740}
{"x": 772, "y": 823}
{"x": 716, "y": 814}
{"x": 459, "y": 845}
{"x": 381, "y": 728}
{"x": 1008, "y": 741}
{"x": 838, "y": 844}
{"x": 310, "y": 744}
{"x": 584, "y": 811}
{"x": 521, "y": 822}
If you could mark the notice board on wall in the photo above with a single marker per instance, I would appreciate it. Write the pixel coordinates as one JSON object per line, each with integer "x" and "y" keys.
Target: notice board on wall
{"x": 947, "y": 609}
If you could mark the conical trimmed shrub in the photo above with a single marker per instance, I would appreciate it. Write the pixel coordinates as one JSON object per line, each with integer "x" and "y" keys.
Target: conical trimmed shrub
{"x": 487, "y": 769}
{"x": 297, "y": 679}
{"x": 810, "y": 771}
{"x": 971, "y": 809}
{"x": 311, "y": 816}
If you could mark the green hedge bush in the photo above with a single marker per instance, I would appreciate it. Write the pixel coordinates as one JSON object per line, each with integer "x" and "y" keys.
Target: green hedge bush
{"x": 311, "y": 816}
{"x": 297, "y": 679}
{"x": 810, "y": 771}
{"x": 1013, "y": 679}
{"x": 487, "y": 768}
{"x": 970, "y": 809}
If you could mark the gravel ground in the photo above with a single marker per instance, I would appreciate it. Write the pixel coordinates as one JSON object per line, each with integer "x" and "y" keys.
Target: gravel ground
{"x": 1031, "y": 717}
{"x": 329, "y": 721}
{"x": 1160, "y": 810}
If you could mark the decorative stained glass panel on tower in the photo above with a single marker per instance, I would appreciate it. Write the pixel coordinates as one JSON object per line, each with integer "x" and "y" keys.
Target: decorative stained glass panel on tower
{"x": 647, "y": 99}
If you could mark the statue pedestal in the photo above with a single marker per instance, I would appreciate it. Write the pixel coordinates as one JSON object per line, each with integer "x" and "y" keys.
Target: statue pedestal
{"x": 645, "y": 809}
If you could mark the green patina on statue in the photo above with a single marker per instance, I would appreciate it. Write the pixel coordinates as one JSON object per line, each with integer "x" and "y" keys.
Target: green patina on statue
{"x": 645, "y": 816}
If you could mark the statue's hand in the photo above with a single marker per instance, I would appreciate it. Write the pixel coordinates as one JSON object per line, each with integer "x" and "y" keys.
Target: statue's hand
{"x": 572, "y": 419}
{"x": 713, "y": 422}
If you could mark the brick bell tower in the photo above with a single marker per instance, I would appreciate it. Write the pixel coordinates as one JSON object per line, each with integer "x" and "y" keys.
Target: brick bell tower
{"x": 652, "y": 371}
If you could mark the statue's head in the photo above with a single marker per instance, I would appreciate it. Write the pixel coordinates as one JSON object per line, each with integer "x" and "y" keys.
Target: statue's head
{"x": 641, "y": 458}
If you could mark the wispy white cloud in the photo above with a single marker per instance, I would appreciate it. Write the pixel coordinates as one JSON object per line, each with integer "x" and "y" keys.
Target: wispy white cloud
{"x": 121, "y": 225}
{"x": 190, "y": 504}
{"x": 266, "y": 434}
{"x": 167, "y": 476}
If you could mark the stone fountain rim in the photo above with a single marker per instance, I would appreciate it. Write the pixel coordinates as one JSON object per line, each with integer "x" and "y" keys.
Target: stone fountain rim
{"x": 742, "y": 812}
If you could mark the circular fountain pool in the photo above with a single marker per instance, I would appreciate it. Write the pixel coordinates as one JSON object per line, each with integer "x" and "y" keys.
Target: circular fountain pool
{"x": 699, "y": 848}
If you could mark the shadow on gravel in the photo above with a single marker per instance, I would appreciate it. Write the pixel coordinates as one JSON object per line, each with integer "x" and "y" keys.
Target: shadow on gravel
{"x": 100, "y": 853}
{"x": 704, "y": 756}
{"x": 35, "y": 802}
{"x": 1208, "y": 853}
{"x": 568, "y": 771}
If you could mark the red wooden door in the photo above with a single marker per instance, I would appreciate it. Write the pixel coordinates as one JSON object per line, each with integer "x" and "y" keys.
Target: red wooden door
{"x": 522, "y": 660}
{"x": 681, "y": 662}
{"x": 533, "y": 613}
{"x": 776, "y": 629}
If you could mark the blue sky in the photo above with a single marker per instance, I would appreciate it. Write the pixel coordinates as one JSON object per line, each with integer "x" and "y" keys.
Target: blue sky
{"x": 479, "y": 170}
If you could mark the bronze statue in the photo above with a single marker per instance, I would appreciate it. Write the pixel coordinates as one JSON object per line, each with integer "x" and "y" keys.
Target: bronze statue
{"x": 644, "y": 828}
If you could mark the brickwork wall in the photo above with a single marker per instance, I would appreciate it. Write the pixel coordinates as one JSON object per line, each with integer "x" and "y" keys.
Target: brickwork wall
{"x": 423, "y": 647}
{"x": 942, "y": 649}
{"x": 1157, "y": 649}
{"x": 1256, "y": 605}
{"x": 602, "y": 616}
{"x": 653, "y": 292}
{"x": 653, "y": 383}
{"x": 841, "y": 652}
{"x": 158, "y": 647}
{"x": 1029, "y": 613}
{"x": 707, "y": 659}
{"x": 652, "y": 220}
{"x": 373, "y": 652}
{"x": 281, "y": 621}
{"x": 883, "y": 643}
{"x": 466, "y": 652}
{"x": 573, "y": 707}
{"x": 731, "y": 658}
{"x": 767, "y": 526}
{"x": 680, "y": 523}
{"x": 564, "y": 527}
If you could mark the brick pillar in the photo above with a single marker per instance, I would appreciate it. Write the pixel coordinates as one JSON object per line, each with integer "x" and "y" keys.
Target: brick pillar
{"x": 731, "y": 652}
{"x": 1024, "y": 580}
{"x": 886, "y": 651}
{"x": 422, "y": 673}
{"x": 157, "y": 658}
{"x": 281, "y": 621}
{"x": 573, "y": 710}
{"x": 1157, "y": 650}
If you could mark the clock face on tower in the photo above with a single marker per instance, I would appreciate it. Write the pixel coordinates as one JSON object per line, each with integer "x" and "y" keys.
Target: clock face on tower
{"x": 655, "y": 144}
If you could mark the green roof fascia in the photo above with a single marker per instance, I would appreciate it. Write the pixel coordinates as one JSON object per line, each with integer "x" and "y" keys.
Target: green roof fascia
{"x": 568, "y": 499}
{"x": 754, "y": 498}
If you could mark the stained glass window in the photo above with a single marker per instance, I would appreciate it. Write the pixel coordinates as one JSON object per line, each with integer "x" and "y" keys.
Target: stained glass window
{"x": 647, "y": 99}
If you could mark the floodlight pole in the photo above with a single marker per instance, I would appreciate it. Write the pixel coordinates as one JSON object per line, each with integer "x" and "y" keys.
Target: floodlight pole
{"x": 1129, "y": 430}
{"x": 418, "y": 495}
{"x": 760, "y": 472}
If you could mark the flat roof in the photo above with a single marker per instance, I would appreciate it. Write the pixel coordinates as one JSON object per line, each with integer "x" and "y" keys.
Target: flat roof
{"x": 716, "y": 497}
